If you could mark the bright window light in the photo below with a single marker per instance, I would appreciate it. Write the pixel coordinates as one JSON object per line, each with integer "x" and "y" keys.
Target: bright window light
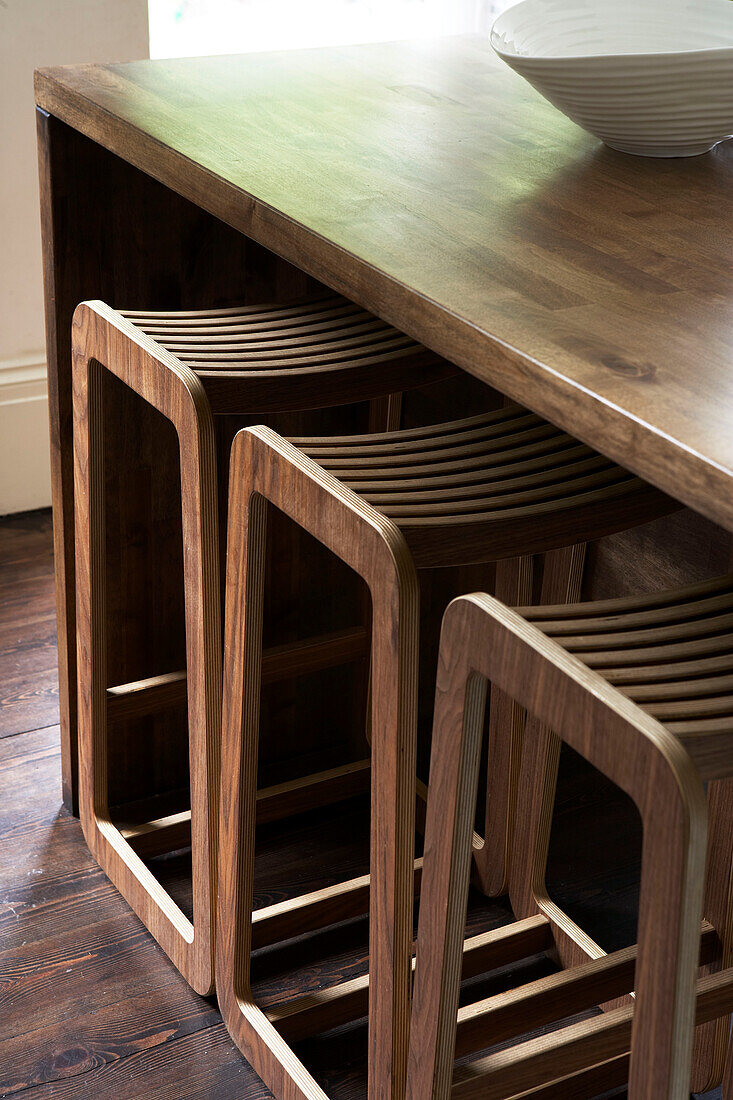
{"x": 185, "y": 28}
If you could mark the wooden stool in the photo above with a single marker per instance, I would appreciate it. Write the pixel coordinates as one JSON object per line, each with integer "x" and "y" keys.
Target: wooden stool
{"x": 483, "y": 640}
{"x": 253, "y": 360}
{"x": 500, "y": 487}
{"x": 505, "y": 484}
{"x": 671, "y": 655}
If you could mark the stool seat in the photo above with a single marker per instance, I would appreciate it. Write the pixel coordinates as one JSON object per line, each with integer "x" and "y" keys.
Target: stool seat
{"x": 274, "y": 358}
{"x": 503, "y": 484}
{"x": 672, "y": 653}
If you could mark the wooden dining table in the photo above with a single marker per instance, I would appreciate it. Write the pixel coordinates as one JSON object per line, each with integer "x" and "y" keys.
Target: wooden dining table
{"x": 431, "y": 185}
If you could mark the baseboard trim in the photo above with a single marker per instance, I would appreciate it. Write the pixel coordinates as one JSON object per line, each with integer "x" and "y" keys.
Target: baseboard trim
{"x": 23, "y": 378}
{"x": 25, "y": 479}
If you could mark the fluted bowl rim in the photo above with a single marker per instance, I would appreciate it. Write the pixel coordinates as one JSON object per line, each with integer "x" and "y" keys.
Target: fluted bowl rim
{"x": 508, "y": 52}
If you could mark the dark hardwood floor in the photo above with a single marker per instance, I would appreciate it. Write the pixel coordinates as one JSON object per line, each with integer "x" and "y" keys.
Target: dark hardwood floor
{"x": 91, "y": 1008}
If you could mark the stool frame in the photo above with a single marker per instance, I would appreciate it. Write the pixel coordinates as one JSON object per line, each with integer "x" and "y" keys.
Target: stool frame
{"x": 484, "y": 641}
{"x": 705, "y": 733}
{"x": 266, "y": 470}
{"x": 104, "y": 342}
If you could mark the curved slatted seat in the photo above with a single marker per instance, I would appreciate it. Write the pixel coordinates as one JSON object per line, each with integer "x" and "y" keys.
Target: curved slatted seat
{"x": 672, "y": 653}
{"x": 273, "y": 358}
{"x": 498, "y": 485}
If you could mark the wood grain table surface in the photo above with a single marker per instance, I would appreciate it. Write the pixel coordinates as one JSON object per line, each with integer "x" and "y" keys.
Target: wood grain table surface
{"x": 435, "y": 187}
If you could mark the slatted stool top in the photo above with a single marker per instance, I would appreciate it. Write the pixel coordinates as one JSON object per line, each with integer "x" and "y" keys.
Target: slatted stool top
{"x": 672, "y": 653}
{"x": 506, "y": 480}
{"x": 309, "y": 354}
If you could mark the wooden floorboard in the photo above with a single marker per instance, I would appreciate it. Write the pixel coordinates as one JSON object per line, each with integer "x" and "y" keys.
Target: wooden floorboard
{"x": 28, "y": 673}
{"x": 90, "y": 1008}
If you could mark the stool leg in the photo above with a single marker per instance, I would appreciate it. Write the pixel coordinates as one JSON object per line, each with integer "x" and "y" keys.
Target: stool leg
{"x": 726, "y": 1090}
{"x": 385, "y": 413}
{"x": 506, "y": 723}
{"x": 711, "y": 1053}
{"x": 561, "y": 583}
{"x": 103, "y": 342}
{"x": 266, "y": 468}
{"x": 454, "y": 763}
{"x": 537, "y": 780}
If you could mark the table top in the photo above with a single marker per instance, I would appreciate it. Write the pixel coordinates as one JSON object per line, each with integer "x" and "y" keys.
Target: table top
{"x": 434, "y": 186}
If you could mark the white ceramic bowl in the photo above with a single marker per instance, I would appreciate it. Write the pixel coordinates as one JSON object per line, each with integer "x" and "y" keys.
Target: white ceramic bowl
{"x": 651, "y": 77}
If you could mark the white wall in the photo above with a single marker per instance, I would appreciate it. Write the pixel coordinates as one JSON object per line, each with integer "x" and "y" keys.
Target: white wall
{"x": 196, "y": 27}
{"x": 34, "y": 33}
